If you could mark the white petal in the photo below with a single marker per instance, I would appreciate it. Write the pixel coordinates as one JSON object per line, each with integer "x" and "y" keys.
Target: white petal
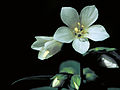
{"x": 81, "y": 46}
{"x": 53, "y": 46}
{"x": 69, "y": 16}
{"x": 37, "y": 45}
{"x": 41, "y": 40}
{"x": 64, "y": 35}
{"x": 50, "y": 49}
{"x": 88, "y": 15}
{"x": 97, "y": 33}
{"x": 41, "y": 54}
{"x": 43, "y": 37}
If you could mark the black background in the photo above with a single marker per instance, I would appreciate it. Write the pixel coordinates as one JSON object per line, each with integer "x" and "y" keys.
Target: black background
{"x": 23, "y": 20}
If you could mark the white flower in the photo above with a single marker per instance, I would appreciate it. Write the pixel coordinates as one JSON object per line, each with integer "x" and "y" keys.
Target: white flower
{"x": 79, "y": 28}
{"x": 46, "y": 46}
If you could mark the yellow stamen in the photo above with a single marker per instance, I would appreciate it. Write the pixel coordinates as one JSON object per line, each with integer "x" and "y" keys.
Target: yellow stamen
{"x": 45, "y": 54}
{"x": 78, "y": 23}
{"x": 82, "y": 26}
{"x": 76, "y": 29}
{"x": 83, "y": 32}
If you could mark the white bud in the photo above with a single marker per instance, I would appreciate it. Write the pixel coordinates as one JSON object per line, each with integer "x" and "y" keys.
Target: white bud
{"x": 56, "y": 82}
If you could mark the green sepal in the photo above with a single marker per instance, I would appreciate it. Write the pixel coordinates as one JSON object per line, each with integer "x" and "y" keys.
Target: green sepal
{"x": 60, "y": 76}
{"x": 69, "y": 70}
{"x": 58, "y": 80}
{"x": 75, "y": 82}
{"x": 89, "y": 74}
{"x": 70, "y": 66}
{"x": 87, "y": 70}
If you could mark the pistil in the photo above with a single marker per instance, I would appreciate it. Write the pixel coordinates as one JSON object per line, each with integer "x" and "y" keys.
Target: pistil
{"x": 79, "y": 31}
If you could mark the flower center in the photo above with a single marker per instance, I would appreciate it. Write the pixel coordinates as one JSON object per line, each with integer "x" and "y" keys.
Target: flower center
{"x": 79, "y": 31}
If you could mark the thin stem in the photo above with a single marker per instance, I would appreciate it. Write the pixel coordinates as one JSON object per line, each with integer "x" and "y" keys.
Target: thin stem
{"x": 38, "y": 77}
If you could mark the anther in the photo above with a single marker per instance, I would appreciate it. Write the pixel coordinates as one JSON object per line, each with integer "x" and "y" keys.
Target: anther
{"x": 75, "y": 34}
{"x": 79, "y": 35}
{"x": 81, "y": 29}
{"x": 78, "y": 23}
{"x": 76, "y": 29}
{"x": 82, "y": 26}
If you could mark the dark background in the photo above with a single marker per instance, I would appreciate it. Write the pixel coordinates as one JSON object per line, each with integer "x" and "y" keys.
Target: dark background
{"x": 26, "y": 19}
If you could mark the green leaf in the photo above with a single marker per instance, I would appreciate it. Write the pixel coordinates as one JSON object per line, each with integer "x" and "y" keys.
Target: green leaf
{"x": 44, "y": 88}
{"x": 68, "y": 89}
{"x": 64, "y": 89}
{"x": 113, "y": 89}
{"x": 96, "y": 49}
{"x": 70, "y": 66}
{"x": 75, "y": 82}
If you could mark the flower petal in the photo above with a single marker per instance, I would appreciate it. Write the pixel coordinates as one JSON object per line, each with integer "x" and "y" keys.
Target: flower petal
{"x": 42, "y": 54}
{"x": 88, "y": 15}
{"x": 81, "y": 46}
{"x": 47, "y": 38}
{"x": 69, "y": 16}
{"x": 64, "y": 35}
{"x": 41, "y": 40}
{"x": 97, "y": 33}
{"x": 50, "y": 49}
